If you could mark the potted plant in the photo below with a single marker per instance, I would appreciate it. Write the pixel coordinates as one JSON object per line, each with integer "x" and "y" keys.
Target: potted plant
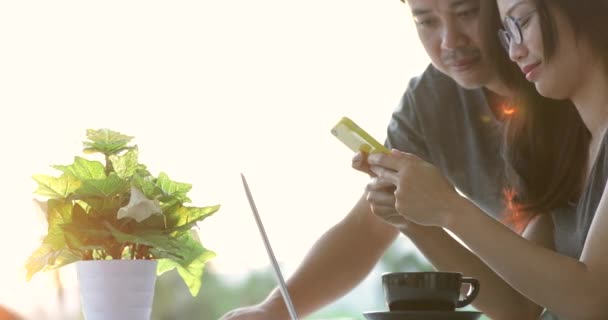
{"x": 122, "y": 225}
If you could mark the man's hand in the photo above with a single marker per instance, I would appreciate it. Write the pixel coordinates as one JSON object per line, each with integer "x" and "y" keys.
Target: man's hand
{"x": 257, "y": 312}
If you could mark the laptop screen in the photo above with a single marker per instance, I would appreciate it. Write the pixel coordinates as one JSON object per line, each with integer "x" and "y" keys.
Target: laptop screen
{"x": 273, "y": 260}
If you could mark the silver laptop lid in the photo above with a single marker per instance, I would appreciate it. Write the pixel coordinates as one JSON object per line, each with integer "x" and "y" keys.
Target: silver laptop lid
{"x": 273, "y": 260}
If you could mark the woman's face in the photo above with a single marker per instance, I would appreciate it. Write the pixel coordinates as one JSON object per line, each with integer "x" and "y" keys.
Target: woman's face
{"x": 561, "y": 75}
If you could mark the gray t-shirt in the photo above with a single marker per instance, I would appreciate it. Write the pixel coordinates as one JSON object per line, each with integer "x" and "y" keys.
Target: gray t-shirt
{"x": 454, "y": 129}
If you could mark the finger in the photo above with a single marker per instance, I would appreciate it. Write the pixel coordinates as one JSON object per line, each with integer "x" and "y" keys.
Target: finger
{"x": 388, "y": 161}
{"x": 384, "y": 212}
{"x": 381, "y": 198}
{"x": 359, "y": 157}
{"x": 386, "y": 174}
{"x": 401, "y": 154}
{"x": 395, "y": 160}
{"x": 379, "y": 184}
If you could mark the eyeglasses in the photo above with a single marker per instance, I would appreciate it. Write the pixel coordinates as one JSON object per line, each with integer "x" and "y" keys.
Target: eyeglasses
{"x": 511, "y": 33}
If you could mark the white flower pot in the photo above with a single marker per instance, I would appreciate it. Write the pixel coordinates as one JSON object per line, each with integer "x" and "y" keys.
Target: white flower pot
{"x": 116, "y": 289}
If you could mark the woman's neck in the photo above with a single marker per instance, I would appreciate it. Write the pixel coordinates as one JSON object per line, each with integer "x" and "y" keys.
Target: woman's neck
{"x": 591, "y": 101}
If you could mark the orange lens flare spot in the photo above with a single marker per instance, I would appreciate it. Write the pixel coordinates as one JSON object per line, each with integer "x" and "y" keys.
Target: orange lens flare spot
{"x": 507, "y": 109}
{"x": 514, "y": 216}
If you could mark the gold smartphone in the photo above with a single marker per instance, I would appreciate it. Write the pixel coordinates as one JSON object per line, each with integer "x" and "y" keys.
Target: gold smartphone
{"x": 356, "y": 138}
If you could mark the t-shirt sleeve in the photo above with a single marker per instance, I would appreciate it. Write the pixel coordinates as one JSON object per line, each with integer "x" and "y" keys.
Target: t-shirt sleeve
{"x": 404, "y": 131}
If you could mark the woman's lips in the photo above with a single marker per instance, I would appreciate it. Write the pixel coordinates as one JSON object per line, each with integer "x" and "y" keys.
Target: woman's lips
{"x": 531, "y": 71}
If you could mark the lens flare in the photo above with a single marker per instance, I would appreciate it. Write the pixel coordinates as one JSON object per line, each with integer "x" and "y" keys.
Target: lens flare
{"x": 514, "y": 216}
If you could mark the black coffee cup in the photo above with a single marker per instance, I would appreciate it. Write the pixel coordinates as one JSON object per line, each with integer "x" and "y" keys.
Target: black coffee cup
{"x": 425, "y": 291}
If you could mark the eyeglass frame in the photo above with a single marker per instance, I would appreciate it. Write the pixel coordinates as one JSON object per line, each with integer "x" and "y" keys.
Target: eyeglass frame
{"x": 511, "y": 31}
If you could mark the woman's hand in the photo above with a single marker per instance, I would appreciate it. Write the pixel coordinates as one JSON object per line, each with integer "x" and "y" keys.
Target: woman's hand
{"x": 359, "y": 163}
{"x": 380, "y": 194}
{"x": 381, "y": 198}
{"x": 422, "y": 194}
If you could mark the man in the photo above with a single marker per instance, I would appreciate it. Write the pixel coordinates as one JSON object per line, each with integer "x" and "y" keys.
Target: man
{"x": 450, "y": 117}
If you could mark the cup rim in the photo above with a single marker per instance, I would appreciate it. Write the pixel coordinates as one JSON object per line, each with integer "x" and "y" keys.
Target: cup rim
{"x": 397, "y": 273}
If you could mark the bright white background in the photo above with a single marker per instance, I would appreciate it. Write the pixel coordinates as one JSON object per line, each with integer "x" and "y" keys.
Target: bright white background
{"x": 209, "y": 89}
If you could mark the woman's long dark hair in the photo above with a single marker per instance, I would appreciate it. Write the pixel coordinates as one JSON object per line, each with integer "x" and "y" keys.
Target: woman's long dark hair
{"x": 546, "y": 142}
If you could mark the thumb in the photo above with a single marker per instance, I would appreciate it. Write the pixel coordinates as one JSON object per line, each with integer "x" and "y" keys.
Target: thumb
{"x": 359, "y": 162}
{"x": 398, "y": 153}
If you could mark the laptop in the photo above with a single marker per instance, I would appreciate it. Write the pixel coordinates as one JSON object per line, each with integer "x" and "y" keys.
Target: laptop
{"x": 273, "y": 260}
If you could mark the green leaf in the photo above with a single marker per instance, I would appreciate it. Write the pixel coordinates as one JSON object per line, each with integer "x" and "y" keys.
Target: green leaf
{"x": 104, "y": 205}
{"x": 58, "y": 214}
{"x": 106, "y": 141}
{"x": 108, "y": 187}
{"x": 84, "y": 169}
{"x": 191, "y": 266}
{"x": 153, "y": 238}
{"x": 173, "y": 189}
{"x": 146, "y": 185}
{"x": 85, "y": 233}
{"x": 53, "y": 187}
{"x": 125, "y": 165}
{"x": 154, "y": 222}
{"x": 46, "y": 258}
{"x": 184, "y": 218}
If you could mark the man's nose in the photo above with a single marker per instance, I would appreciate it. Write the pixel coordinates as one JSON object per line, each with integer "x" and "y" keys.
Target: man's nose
{"x": 452, "y": 37}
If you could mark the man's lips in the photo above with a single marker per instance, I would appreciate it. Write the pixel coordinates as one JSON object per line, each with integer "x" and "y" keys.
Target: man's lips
{"x": 462, "y": 63}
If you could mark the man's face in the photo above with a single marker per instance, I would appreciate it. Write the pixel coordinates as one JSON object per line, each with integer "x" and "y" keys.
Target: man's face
{"x": 449, "y": 32}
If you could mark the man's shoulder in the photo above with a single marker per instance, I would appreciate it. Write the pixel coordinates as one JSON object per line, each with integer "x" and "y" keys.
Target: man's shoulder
{"x": 433, "y": 88}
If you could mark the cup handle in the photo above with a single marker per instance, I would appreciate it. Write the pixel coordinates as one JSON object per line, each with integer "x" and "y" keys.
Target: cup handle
{"x": 472, "y": 293}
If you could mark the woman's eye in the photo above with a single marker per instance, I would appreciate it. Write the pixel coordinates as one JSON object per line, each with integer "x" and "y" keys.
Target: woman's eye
{"x": 523, "y": 21}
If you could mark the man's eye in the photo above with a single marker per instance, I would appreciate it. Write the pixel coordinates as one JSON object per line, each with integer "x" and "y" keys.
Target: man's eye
{"x": 427, "y": 22}
{"x": 468, "y": 13}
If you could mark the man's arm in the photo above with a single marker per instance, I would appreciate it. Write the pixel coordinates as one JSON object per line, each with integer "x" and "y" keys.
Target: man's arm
{"x": 338, "y": 261}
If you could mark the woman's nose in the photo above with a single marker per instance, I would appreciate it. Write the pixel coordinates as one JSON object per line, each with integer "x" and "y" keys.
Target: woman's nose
{"x": 517, "y": 51}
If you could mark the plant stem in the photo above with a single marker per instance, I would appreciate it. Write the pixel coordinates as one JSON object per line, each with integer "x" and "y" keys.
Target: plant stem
{"x": 109, "y": 168}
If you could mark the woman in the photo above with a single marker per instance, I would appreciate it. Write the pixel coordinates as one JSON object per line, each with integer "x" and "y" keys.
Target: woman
{"x": 562, "y": 47}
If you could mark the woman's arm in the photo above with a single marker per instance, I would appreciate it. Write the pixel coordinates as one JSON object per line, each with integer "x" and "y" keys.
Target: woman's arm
{"x": 496, "y": 298}
{"x": 568, "y": 287}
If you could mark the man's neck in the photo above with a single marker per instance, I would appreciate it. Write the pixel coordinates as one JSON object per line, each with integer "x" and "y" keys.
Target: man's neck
{"x": 497, "y": 94}
{"x": 497, "y": 87}
{"x": 497, "y": 103}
